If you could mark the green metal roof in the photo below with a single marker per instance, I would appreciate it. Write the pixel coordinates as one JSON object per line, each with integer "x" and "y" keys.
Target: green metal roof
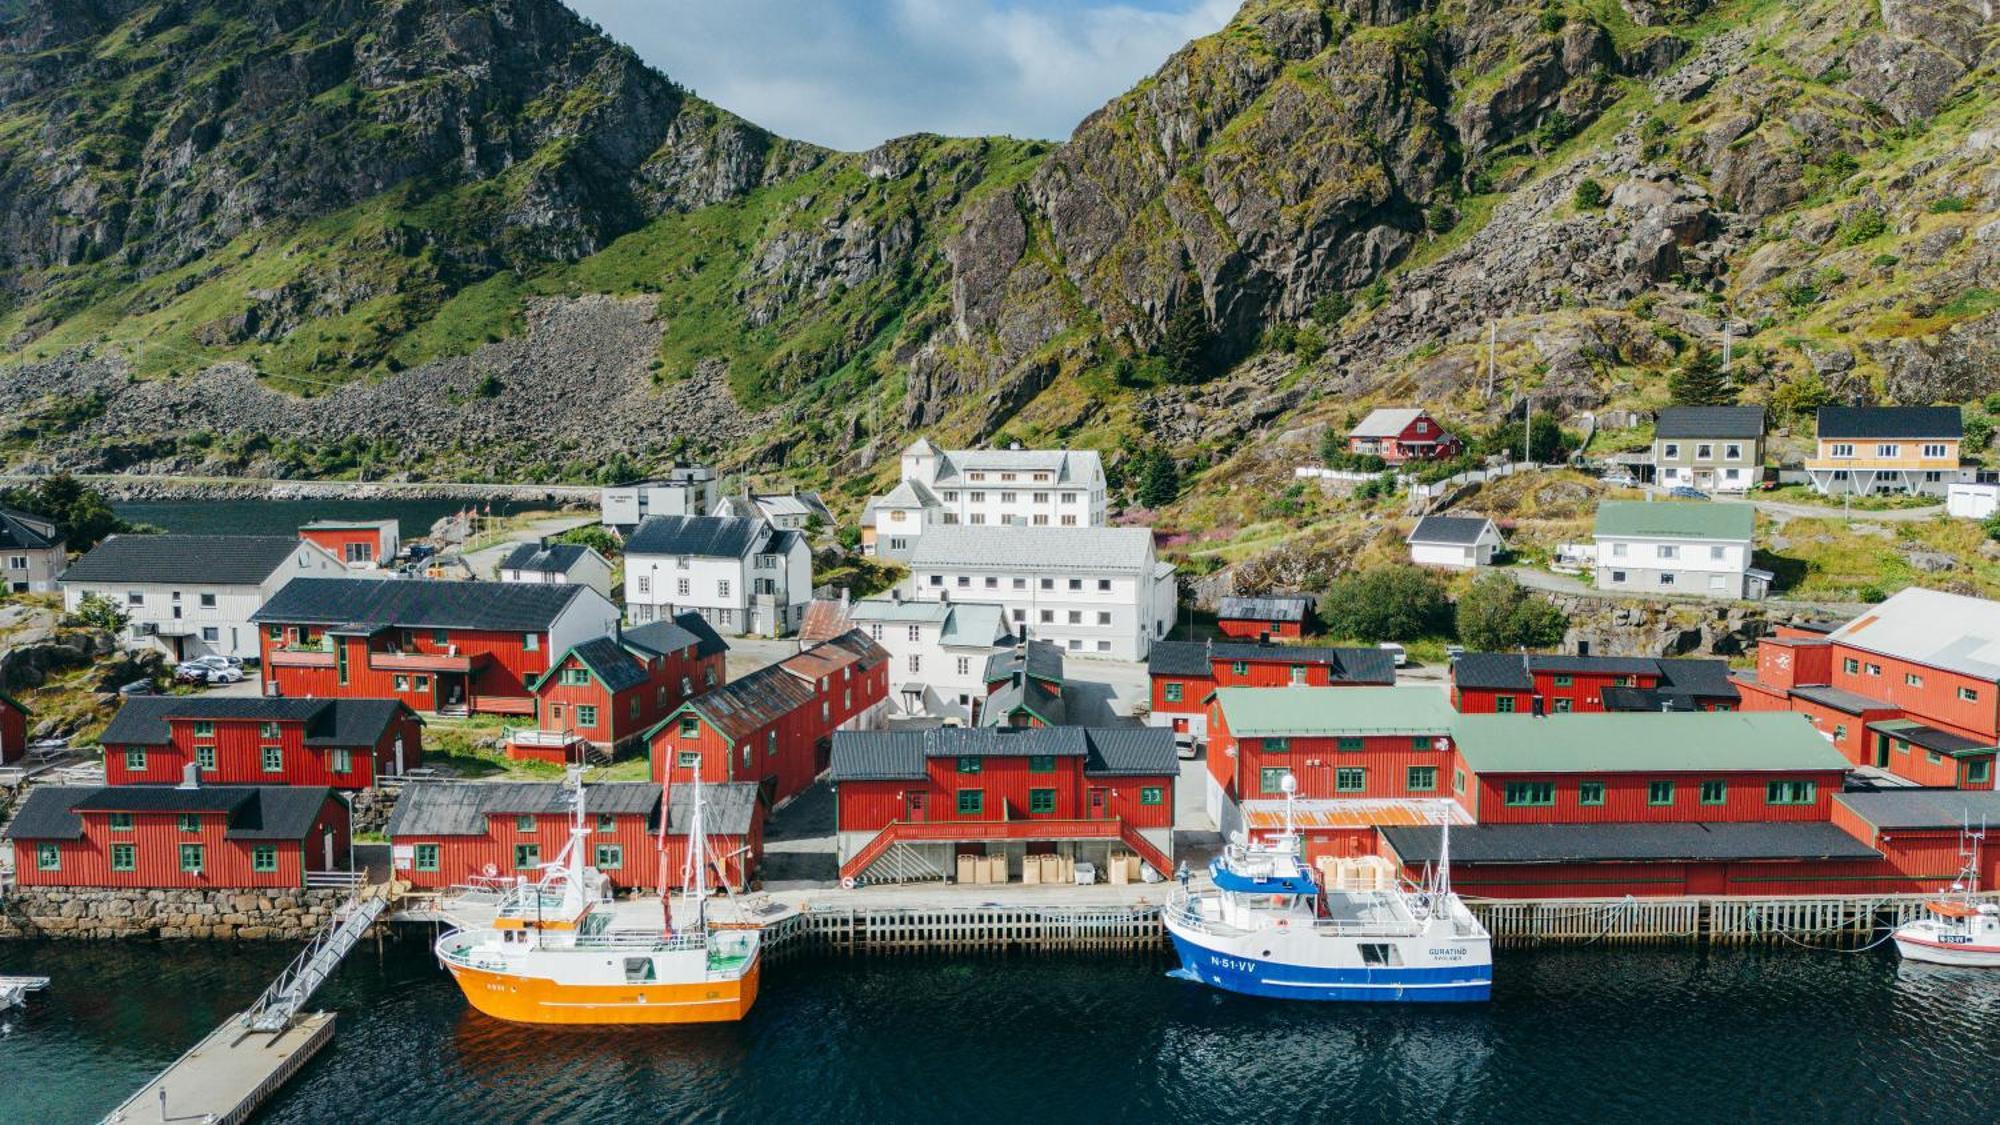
{"x": 1700, "y": 741}
{"x": 1696, "y": 520}
{"x": 1254, "y": 712}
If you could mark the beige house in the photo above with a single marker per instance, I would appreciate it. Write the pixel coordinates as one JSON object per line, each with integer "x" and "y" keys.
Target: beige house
{"x": 1871, "y": 450}
{"x": 1712, "y": 448}
{"x": 33, "y": 552}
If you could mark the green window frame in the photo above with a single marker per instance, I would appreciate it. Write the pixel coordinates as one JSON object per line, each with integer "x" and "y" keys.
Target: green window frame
{"x": 204, "y": 758}
{"x": 688, "y": 759}
{"x": 264, "y": 858}
{"x": 124, "y": 857}
{"x": 1420, "y": 742}
{"x": 576, "y": 677}
{"x": 690, "y": 726}
{"x": 1589, "y": 792}
{"x": 1240, "y": 667}
{"x": 610, "y": 857}
{"x": 1979, "y": 771}
{"x": 971, "y": 802}
{"x": 1564, "y": 681}
{"x": 1421, "y": 779}
{"x": 1152, "y": 795}
{"x": 273, "y": 759}
{"x": 606, "y": 822}
{"x": 1934, "y": 758}
{"x": 194, "y": 859}
{"x": 190, "y": 822}
{"x": 135, "y": 759}
{"x": 1041, "y": 801}
{"x": 1504, "y": 704}
{"x": 48, "y": 857}
{"x": 524, "y": 822}
{"x": 1041, "y": 763}
{"x": 1791, "y": 792}
{"x": 1840, "y": 732}
{"x": 1172, "y": 692}
{"x": 1349, "y": 743}
{"x": 343, "y": 760}
{"x": 1271, "y": 779}
{"x": 1659, "y": 792}
{"x": 969, "y": 764}
{"x": 1850, "y": 666}
{"x": 340, "y": 662}
{"x": 275, "y": 632}
{"x": 1563, "y": 706}
{"x": 1298, "y": 673}
{"x": 267, "y": 730}
{"x": 1715, "y": 791}
{"x": 1277, "y": 745}
{"x": 427, "y": 857}
{"x": 586, "y": 715}
{"x": 121, "y": 822}
{"x": 1350, "y": 779}
{"x": 204, "y": 728}
{"x": 527, "y": 857}
{"x": 1530, "y": 793}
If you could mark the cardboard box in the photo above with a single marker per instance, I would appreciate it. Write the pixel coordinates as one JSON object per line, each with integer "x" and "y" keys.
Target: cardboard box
{"x": 1031, "y": 871}
{"x": 968, "y": 869}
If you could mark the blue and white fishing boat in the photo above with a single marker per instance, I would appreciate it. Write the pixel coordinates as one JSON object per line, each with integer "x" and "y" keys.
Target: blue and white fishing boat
{"x": 1268, "y": 928}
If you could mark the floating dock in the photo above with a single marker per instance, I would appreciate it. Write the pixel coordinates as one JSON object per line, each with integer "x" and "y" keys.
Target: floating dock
{"x": 226, "y": 1076}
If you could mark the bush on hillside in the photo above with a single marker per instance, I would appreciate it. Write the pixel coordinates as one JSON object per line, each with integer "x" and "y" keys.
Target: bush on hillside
{"x": 1389, "y": 603}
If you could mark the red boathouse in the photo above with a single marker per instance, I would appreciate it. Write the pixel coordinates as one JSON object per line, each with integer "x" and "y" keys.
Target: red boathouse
{"x": 342, "y": 743}
{"x": 605, "y": 693}
{"x": 1185, "y": 673}
{"x": 1266, "y": 618}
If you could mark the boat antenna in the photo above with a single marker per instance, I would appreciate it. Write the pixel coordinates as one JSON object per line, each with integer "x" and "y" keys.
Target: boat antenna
{"x": 1289, "y": 785}
{"x": 1444, "y": 851}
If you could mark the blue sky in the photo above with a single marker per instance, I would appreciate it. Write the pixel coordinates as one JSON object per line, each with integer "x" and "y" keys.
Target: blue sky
{"x": 852, "y": 73}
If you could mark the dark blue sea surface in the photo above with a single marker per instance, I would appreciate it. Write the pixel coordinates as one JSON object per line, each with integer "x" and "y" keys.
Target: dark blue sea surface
{"x": 1671, "y": 1035}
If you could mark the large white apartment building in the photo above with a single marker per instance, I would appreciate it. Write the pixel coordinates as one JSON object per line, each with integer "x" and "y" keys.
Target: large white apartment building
{"x": 192, "y": 595}
{"x": 686, "y": 490}
{"x": 937, "y": 652}
{"x": 1094, "y": 591}
{"x": 745, "y": 577}
{"x": 983, "y": 488}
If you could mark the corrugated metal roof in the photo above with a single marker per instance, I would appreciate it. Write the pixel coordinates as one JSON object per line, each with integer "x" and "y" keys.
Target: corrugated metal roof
{"x": 1353, "y": 812}
{"x": 1700, "y": 519}
{"x": 195, "y": 560}
{"x": 1044, "y": 662}
{"x": 1265, "y": 608}
{"x": 1868, "y": 422}
{"x": 1774, "y": 741}
{"x": 1930, "y": 738}
{"x": 1386, "y": 422}
{"x": 899, "y": 755}
{"x": 1276, "y": 712}
{"x": 142, "y": 720}
{"x": 1586, "y": 843}
{"x": 415, "y": 603}
{"x": 553, "y": 558}
{"x": 1457, "y": 531}
{"x": 1949, "y": 631}
{"x": 1888, "y": 809}
{"x": 825, "y": 618}
{"x": 460, "y": 808}
{"x": 1344, "y": 665}
{"x": 1745, "y": 422}
{"x": 741, "y": 706}
{"x": 727, "y": 809}
{"x": 256, "y": 812}
{"x": 683, "y": 631}
{"x": 695, "y": 536}
{"x": 1099, "y": 551}
{"x": 853, "y": 647}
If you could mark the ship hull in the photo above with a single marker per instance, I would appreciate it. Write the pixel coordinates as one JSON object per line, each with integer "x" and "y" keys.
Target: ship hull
{"x": 1924, "y": 947}
{"x": 1233, "y": 971}
{"x": 538, "y": 1000}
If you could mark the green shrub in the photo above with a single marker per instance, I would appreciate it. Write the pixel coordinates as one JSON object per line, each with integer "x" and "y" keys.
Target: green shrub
{"x": 1589, "y": 195}
{"x": 1866, "y": 224}
{"x": 1389, "y": 603}
{"x": 1949, "y": 205}
{"x": 1498, "y": 614}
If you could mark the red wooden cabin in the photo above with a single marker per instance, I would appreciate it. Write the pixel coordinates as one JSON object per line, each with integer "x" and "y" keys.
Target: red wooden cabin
{"x": 1399, "y": 434}
{"x": 1185, "y": 673}
{"x": 774, "y": 726}
{"x": 1484, "y": 683}
{"x": 342, "y": 743}
{"x": 609, "y": 691}
{"x": 171, "y": 837}
{"x": 446, "y": 834}
{"x": 1014, "y": 791}
{"x": 448, "y": 647}
{"x": 13, "y": 730}
{"x": 360, "y": 544}
{"x": 1266, "y": 618}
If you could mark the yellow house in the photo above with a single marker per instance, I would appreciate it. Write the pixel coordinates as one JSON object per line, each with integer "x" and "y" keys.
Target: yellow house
{"x": 1867, "y": 450}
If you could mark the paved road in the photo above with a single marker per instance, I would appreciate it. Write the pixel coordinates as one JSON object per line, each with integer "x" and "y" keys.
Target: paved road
{"x": 1821, "y": 512}
{"x": 486, "y": 559}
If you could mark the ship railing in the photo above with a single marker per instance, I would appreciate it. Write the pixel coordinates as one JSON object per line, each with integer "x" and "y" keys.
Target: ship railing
{"x": 650, "y": 940}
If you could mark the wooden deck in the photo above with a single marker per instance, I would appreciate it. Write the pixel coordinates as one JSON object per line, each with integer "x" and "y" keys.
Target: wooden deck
{"x": 226, "y": 1076}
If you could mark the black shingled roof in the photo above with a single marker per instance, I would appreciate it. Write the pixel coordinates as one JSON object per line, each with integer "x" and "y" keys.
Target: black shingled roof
{"x": 1463, "y": 530}
{"x": 1491, "y": 671}
{"x": 1345, "y": 665}
{"x": 899, "y": 755}
{"x": 22, "y": 531}
{"x": 554, "y": 558}
{"x": 1869, "y": 422}
{"x": 142, "y": 719}
{"x": 1044, "y": 662}
{"x": 1586, "y": 843}
{"x": 615, "y": 667}
{"x": 256, "y": 812}
{"x": 411, "y": 603}
{"x": 1928, "y": 737}
{"x": 196, "y": 560}
{"x": 685, "y": 629}
{"x": 1710, "y": 422}
{"x": 1924, "y": 808}
{"x": 701, "y": 536}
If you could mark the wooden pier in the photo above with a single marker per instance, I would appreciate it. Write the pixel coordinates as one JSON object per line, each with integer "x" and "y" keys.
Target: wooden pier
{"x": 226, "y": 1076}
{"x": 1833, "y": 921}
{"x": 988, "y": 929}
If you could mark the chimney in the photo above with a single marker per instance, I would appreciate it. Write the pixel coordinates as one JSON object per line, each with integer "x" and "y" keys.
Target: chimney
{"x": 190, "y": 776}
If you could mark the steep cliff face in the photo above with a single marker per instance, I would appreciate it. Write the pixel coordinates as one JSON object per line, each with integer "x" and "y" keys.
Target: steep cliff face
{"x": 426, "y": 201}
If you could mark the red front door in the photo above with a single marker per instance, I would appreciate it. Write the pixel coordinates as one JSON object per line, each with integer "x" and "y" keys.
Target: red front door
{"x": 914, "y": 802}
{"x": 1097, "y": 804}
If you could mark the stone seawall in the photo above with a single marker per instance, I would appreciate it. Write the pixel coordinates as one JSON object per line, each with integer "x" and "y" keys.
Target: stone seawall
{"x": 103, "y": 913}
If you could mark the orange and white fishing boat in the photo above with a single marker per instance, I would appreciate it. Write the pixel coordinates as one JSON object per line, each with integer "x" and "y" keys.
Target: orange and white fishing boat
{"x": 1961, "y": 930}
{"x": 554, "y": 954}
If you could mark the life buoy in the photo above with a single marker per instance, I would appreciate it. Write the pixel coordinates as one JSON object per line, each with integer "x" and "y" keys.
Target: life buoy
{"x": 847, "y": 884}
{"x": 489, "y": 871}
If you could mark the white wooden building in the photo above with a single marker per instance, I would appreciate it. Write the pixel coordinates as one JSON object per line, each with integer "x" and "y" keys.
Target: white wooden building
{"x": 1095, "y": 591}
{"x": 192, "y": 595}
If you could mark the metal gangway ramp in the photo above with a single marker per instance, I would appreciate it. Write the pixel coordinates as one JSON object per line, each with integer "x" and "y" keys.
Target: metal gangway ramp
{"x": 280, "y": 1003}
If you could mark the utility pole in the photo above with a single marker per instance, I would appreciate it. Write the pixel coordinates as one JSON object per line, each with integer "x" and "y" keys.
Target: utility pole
{"x": 1528, "y": 431}
{"x": 1492, "y": 347}
{"x": 1726, "y": 347}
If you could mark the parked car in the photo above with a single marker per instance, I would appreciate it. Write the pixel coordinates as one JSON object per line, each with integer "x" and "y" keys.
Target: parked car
{"x": 192, "y": 673}
{"x": 1683, "y": 492}
{"x": 137, "y": 687}
{"x": 1620, "y": 479}
{"x": 1184, "y": 745}
{"x": 210, "y": 670}
{"x": 1396, "y": 652}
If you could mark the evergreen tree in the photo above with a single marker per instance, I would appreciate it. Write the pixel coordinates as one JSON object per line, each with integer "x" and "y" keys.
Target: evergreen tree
{"x": 1701, "y": 381}
{"x": 1184, "y": 348}
{"x": 1159, "y": 480}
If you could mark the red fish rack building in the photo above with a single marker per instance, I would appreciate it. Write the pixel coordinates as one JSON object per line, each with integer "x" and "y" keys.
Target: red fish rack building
{"x": 1484, "y": 683}
{"x": 1266, "y": 618}
{"x": 445, "y": 647}
{"x": 937, "y": 794}
{"x": 178, "y": 837}
{"x": 342, "y": 743}
{"x": 604, "y": 695}
{"x": 1185, "y": 673}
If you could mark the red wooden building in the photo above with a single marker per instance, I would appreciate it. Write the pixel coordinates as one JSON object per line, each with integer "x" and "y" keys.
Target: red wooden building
{"x": 607, "y": 692}
{"x": 1266, "y": 618}
{"x": 1024, "y": 687}
{"x": 447, "y": 647}
{"x": 342, "y": 743}
{"x": 1185, "y": 673}
{"x": 360, "y": 544}
{"x": 446, "y": 834}
{"x": 13, "y": 730}
{"x": 1399, "y": 434}
{"x": 163, "y": 836}
{"x": 1911, "y": 687}
{"x": 1556, "y": 684}
{"x": 1920, "y": 835}
{"x": 909, "y": 802}
{"x": 774, "y": 727}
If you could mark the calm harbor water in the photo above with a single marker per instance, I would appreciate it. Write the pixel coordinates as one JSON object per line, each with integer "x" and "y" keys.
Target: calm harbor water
{"x": 283, "y": 517}
{"x": 1587, "y": 1035}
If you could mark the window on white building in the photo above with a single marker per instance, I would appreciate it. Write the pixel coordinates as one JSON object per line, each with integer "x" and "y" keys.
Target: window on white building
{"x": 645, "y": 584}
{"x": 1667, "y": 579}
{"x": 722, "y": 587}
{"x": 1076, "y": 617}
{"x": 1103, "y": 618}
{"x": 1618, "y": 550}
{"x": 1069, "y": 521}
{"x": 683, "y": 587}
{"x": 916, "y": 664}
{"x": 1048, "y": 617}
{"x": 1667, "y": 551}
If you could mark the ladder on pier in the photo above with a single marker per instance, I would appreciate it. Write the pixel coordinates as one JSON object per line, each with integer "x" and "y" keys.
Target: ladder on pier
{"x": 280, "y": 1003}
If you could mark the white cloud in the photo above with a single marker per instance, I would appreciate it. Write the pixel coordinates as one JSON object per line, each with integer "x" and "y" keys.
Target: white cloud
{"x": 852, "y": 73}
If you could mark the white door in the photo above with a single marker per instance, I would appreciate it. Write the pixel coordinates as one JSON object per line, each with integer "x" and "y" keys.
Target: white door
{"x": 399, "y": 755}
{"x": 326, "y": 844}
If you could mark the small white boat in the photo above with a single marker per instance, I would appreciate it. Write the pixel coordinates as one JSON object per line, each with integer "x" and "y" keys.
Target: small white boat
{"x": 1959, "y": 930}
{"x": 1267, "y": 928}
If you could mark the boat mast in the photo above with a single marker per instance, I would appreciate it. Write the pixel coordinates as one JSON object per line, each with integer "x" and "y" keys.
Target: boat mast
{"x": 696, "y": 881}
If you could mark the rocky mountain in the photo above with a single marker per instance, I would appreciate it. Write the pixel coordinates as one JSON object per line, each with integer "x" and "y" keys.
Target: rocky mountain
{"x": 451, "y": 237}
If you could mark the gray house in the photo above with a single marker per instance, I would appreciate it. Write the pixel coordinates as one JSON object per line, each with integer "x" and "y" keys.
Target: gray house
{"x": 32, "y": 550}
{"x": 1713, "y": 448}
